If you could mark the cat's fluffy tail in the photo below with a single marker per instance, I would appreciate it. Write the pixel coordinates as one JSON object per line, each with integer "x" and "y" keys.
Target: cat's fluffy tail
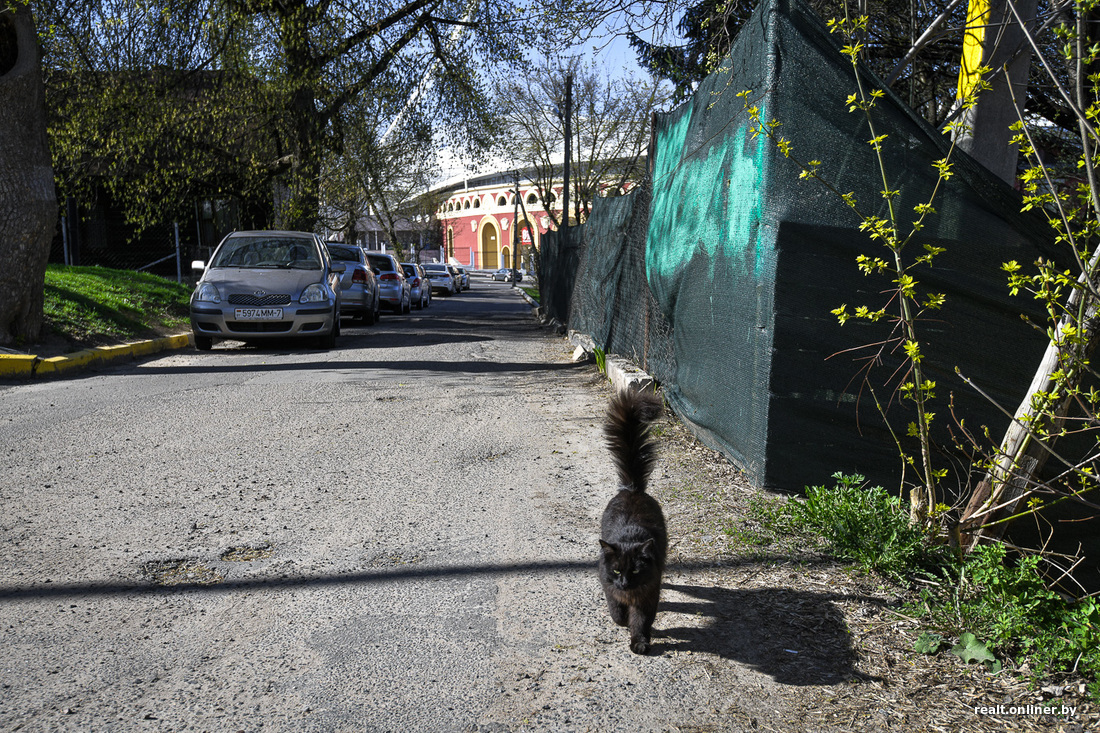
{"x": 628, "y": 438}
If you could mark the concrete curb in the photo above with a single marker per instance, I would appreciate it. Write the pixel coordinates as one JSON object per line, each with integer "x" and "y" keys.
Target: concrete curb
{"x": 621, "y": 372}
{"x": 29, "y": 366}
{"x": 531, "y": 301}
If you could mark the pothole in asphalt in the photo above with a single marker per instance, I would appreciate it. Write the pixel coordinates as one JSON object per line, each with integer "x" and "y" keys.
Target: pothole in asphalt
{"x": 179, "y": 572}
{"x": 248, "y": 553}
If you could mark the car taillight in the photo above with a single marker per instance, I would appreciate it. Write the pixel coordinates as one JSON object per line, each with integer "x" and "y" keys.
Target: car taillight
{"x": 389, "y": 276}
{"x": 414, "y": 282}
{"x": 359, "y": 276}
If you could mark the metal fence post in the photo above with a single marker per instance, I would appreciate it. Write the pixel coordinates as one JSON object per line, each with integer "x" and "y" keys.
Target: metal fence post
{"x": 179, "y": 268}
{"x": 65, "y": 239}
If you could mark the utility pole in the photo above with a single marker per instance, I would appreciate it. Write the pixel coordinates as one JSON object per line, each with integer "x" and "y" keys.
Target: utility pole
{"x": 515, "y": 223}
{"x": 568, "y": 148}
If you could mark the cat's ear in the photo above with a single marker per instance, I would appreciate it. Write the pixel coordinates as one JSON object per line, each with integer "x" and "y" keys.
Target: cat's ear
{"x": 608, "y": 547}
{"x": 647, "y": 548}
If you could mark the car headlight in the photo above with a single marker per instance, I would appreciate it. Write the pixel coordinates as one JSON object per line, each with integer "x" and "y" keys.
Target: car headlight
{"x": 315, "y": 293}
{"x": 208, "y": 293}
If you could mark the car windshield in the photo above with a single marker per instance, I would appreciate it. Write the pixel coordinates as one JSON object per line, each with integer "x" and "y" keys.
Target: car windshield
{"x": 429, "y": 268}
{"x": 268, "y": 252}
{"x": 346, "y": 254}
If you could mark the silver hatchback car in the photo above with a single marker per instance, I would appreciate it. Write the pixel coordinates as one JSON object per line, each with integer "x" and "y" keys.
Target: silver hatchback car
{"x": 393, "y": 286}
{"x": 264, "y": 285}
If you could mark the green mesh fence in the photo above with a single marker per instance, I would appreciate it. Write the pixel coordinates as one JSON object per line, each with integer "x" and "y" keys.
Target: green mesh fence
{"x": 718, "y": 276}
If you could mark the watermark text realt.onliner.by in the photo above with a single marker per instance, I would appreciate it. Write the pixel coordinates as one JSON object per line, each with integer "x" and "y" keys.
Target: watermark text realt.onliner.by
{"x": 1059, "y": 710}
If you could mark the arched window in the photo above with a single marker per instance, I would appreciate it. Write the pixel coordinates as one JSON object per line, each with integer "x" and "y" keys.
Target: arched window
{"x": 467, "y": 205}
{"x": 532, "y": 198}
{"x": 502, "y": 201}
{"x": 477, "y": 203}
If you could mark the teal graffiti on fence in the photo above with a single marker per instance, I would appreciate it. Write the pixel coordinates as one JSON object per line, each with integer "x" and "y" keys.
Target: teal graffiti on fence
{"x": 710, "y": 198}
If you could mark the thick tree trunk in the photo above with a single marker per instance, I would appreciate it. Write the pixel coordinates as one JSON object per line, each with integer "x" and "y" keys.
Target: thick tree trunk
{"x": 28, "y": 204}
{"x": 1005, "y": 50}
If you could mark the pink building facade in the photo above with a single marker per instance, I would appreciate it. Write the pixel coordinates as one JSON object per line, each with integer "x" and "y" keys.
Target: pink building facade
{"x": 478, "y": 220}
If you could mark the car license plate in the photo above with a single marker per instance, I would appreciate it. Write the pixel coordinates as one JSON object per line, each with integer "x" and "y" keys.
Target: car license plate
{"x": 258, "y": 314}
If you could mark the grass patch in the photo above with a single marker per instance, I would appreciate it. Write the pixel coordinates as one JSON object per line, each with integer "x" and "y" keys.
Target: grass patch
{"x": 533, "y": 292}
{"x": 96, "y": 305}
{"x": 996, "y": 606}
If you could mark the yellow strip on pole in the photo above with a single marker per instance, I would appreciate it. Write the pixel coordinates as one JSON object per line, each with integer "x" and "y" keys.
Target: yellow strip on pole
{"x": 977, "y": 18}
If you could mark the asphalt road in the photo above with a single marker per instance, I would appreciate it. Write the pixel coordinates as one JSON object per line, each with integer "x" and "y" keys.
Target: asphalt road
{"x": 395, "y": 535}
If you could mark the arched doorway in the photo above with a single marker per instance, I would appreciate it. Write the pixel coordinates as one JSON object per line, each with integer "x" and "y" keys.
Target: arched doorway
{"x": 529, "y": 244}
{"x": 505, "y": 257}
{"x": 489, "y": 244}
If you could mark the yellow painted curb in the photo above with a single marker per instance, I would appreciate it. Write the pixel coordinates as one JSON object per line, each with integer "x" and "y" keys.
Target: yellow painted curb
{"x": 17, "y": 365}
{"x": 29, "y": 365}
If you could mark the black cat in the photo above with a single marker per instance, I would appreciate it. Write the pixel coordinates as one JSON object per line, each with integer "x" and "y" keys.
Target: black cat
{"x": 633, "y": 538}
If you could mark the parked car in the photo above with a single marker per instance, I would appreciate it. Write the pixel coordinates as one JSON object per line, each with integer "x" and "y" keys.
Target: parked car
{"x": 505, "y": 274}
{"x": 393, "y": 286}
{"x": 457, "y": 276}
{"x": 442, "y": 279}
{"x": 420, "y": 287}
{"x": 358, "y": 284}
{"x": 465, "y": 277}
{"x": 267, "y": 284}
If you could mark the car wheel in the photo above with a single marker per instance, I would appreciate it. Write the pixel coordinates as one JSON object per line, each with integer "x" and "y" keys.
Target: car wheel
{"x": 407, "y": 307}
{"x": 203, "y": 343}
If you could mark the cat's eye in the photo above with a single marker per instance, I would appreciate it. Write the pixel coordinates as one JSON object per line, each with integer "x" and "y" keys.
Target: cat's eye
{"x": 616, "y": 572}
{"x": 636, "y": 570}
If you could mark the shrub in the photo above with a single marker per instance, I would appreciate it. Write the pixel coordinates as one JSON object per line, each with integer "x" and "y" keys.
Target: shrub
{"x": 862, "y": 524}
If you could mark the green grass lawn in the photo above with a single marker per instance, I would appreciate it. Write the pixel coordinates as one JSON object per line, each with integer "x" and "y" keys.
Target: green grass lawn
{"x": 533, "y": 292}
{"x": 97, "y": 305}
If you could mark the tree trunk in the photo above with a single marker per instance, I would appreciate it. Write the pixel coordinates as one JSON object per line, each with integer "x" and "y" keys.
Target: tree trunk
{"x": 28, "y": 204}
{"x": 1005, "y": 50}
{"x": 1002, "y": 493}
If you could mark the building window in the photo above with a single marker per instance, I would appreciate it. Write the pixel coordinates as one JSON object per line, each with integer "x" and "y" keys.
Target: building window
{"x": 532, "y": 198}
{"x": 477, "y": 203}
{"x": 466, "y": 205}
{"x": 502, "y": 201}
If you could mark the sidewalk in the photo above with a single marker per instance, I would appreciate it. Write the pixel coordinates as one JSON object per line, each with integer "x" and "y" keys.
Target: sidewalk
{"x": 29, "y": 366}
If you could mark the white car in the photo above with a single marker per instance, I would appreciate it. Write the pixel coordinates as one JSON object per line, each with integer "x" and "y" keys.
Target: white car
{"x": 442, "y": 279}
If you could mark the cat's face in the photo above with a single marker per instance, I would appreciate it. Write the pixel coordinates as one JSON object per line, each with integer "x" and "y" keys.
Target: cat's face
{"x": 627, "y": 566}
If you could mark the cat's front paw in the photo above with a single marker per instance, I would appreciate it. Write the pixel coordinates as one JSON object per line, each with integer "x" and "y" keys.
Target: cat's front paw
{"x": 639, "y": 646}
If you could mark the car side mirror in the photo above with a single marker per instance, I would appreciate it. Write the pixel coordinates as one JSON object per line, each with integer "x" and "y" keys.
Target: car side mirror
{"x": 339, "y": 269}
{"x": 198, "y": 266}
